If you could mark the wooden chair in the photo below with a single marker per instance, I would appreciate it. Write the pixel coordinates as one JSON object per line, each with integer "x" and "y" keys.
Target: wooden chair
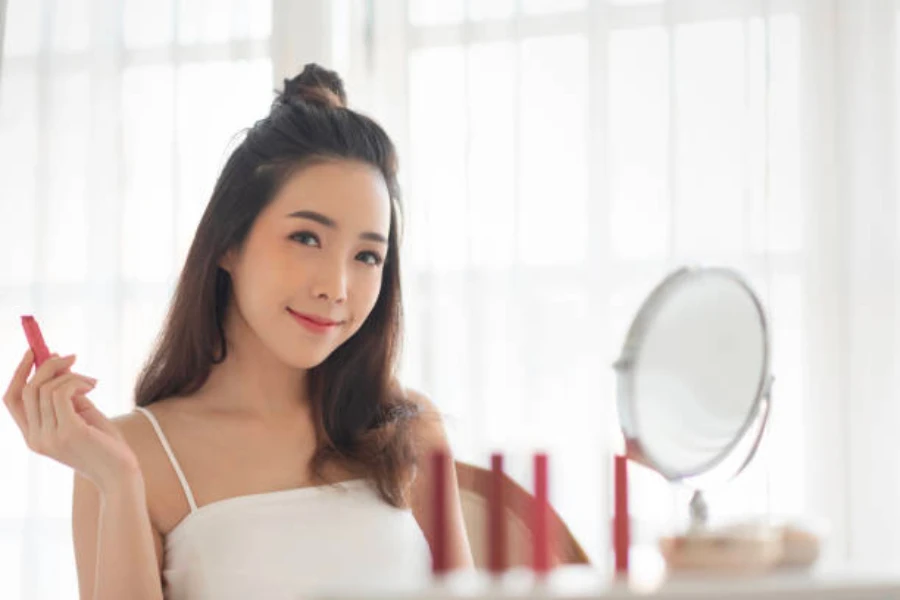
{"x": 474, "y": 491}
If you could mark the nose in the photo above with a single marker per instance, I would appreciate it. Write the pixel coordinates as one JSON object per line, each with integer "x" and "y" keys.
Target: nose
{"x": 331, "y": 283}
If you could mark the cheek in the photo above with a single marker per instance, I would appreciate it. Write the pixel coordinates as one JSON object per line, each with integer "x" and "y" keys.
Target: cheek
{"x": 250, "y": 294}
{"x": 365, "y": 297}
{"x": 260, "y": 282}
{"x": 372, "y": 289}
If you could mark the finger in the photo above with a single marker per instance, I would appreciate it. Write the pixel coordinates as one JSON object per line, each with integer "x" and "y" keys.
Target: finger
{"x": 39, "y": 405}
{"x": 92, "y": 415}
{"x": 47, "y": 392}
{"x": 48, "y": 415}
{"x": 30, "y": 402}
{"x": 64, "y": 404}
{"x": 52, "y": 367}
{"x": 12, "y": 398}
{"x": 20, "y": 376}
{"x": 64, "y": 379}
{"x": 55, "y": 387}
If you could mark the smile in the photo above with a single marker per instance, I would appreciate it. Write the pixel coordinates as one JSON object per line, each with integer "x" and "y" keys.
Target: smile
{"x": 314, "y": 323}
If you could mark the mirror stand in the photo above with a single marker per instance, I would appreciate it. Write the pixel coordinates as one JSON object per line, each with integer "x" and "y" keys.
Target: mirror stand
{"x": 699, "y": 511}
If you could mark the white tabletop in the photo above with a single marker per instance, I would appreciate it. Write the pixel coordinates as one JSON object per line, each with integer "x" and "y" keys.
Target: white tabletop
{"x": 587, "y": 584}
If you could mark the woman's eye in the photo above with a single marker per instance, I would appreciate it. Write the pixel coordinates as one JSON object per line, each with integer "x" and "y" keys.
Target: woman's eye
{"x": 370, "y": 258}
{"x": 306, "y": 238}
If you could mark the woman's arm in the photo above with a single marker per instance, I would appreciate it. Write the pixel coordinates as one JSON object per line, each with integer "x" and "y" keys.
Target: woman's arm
{"x": 114, "y": 544}
{"x": 118, "y": 553}
{"x": 432, "y": 437}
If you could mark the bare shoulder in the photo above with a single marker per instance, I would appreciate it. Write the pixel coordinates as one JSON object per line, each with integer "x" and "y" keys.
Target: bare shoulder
{"x": 432, "y": 437}
{"x": 132, "y": 425}
{"x": 138, "y": 433}
{"x": 137, "y": 430}
{"x": 164, "y": 500}
{"x": 430, "y": 430}
{"x": 422, "y": 401}
{"x": 141, "y": 436}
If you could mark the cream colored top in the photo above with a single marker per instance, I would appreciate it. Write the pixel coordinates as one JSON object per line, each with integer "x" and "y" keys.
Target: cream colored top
{"x": 291, "y": 543}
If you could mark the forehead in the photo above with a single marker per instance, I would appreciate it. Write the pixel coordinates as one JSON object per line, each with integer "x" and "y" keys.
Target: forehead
{"x": 351, "y": 193}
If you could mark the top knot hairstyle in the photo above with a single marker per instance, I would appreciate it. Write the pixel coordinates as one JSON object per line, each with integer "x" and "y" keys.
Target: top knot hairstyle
{"x": 316, "y": 86}
{"x": 361, "y": 414}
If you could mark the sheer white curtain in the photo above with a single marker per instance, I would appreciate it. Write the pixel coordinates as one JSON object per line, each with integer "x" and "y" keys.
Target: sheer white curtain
{"x": 560, "y": 157}
{"x": 115, "y": 116}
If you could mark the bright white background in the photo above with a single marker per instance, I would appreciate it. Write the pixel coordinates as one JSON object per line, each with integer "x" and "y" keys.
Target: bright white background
{"x": 558, "y": 157}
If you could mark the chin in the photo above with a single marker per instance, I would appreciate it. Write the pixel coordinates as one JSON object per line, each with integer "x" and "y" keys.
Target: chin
{"x": 307, "y": 360}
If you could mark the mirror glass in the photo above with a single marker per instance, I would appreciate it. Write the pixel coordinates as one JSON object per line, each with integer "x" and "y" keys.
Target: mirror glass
{"x": 693, "y": 372}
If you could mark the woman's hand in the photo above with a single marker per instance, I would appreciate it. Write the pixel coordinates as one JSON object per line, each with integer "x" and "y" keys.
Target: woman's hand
{"x": 58, "y": 421}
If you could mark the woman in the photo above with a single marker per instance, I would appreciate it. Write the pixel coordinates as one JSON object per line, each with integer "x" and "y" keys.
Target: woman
{"x": 272, "y": 451}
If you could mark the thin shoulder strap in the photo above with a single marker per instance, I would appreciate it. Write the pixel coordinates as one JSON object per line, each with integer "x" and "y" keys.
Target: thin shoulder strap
{"x": 171, "y": 455}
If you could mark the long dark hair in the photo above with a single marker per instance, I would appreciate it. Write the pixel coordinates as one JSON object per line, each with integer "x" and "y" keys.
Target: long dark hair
{"x": 360, "y": 413}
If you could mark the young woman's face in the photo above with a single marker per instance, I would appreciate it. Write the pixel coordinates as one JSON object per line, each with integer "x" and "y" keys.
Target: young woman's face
{"x": 317, "y": 251}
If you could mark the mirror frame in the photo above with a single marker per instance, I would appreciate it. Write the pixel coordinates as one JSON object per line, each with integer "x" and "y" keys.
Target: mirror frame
{"x": 624, "y": 368}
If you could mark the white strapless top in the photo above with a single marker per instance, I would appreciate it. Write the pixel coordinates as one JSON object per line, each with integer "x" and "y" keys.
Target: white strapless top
{"x": 291, "y": 544}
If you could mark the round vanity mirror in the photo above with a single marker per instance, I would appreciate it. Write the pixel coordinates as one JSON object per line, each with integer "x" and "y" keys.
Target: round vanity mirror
{"x": 693, "y": 378}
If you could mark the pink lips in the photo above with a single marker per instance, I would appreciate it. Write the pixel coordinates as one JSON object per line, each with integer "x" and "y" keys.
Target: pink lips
{"x": 314, "y": 323}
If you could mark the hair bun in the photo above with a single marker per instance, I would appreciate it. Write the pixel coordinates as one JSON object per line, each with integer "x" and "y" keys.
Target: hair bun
{"x": 315, "y": 85}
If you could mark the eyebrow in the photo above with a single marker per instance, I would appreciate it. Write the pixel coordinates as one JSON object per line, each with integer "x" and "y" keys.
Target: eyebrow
{"x": 331, "y": 224}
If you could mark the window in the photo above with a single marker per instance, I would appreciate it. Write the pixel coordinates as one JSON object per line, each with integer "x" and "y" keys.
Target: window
{"x": 561, "y": 157}
{"x": 115, "y": 118}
